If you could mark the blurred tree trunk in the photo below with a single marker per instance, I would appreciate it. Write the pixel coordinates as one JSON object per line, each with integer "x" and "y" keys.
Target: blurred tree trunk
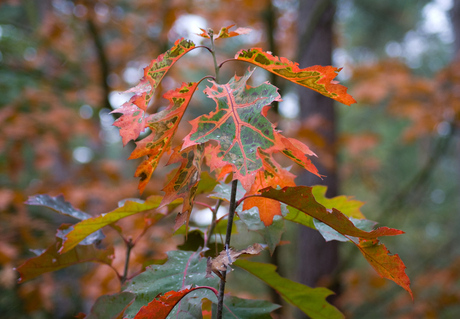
{"x": 316, "y": 258}
{"x": 455, "y": 16}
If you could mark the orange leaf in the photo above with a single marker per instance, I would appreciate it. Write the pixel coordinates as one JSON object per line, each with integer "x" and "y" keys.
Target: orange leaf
{"x": 273, "y": 175}
{"x": 133, "y": 121}
{"x": 185, "y": 182}
{"x": 386, "y": 265}
{"x": 225, "y": 33}
{"x": 163, "y": 126}
{"x": 318, "y": 78}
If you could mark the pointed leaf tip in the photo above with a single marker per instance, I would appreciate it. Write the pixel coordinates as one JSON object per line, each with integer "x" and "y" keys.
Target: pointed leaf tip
{"x": 318, "y": 78}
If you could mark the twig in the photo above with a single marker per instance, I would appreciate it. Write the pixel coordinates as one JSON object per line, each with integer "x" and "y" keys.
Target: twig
{"x": 213, "y": 223}
{"x": 129, "y": 245}
{"x": 103, "y": 61}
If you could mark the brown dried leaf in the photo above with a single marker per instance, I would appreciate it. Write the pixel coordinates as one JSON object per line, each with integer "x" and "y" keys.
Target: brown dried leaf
{"x": 227, "y": 257}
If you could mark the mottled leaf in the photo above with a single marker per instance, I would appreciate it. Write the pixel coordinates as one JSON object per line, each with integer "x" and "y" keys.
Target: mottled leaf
{"x": 224, "y": 32}
{"x": 133, "y": 121}
{"x": 318, "y": 78}
{"x": 235, "y": 307}
{"x": 185, "y": 182}
{"x": 163, "y": 126}
{"x": 111, "y": 306}
{"x": 84, "y": 228}
{"x": 161, "y": 306}
{"x": 241, "y": 129}
{"x": 52, "y": 260}
{"x": 387, "y": 266}
{"x": 180, "y": 271}
{"x": 312, "y": 301}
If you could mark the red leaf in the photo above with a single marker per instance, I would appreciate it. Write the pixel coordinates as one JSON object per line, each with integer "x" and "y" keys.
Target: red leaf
{"x": 185, "y": 183}
{"x": 161, "y": 306}
{"x": 132, "y": 122}
{"x": 163, "y": 125}
{"x": 386, "y": 265}
{"x": 318, "y": 78}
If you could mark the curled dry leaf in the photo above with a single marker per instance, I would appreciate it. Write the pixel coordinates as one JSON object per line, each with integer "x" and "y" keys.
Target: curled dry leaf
{"x": 227, "y": 257}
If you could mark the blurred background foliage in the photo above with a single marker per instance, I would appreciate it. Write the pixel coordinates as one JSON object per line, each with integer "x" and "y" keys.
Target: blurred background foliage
{"x": 63, "y": 65}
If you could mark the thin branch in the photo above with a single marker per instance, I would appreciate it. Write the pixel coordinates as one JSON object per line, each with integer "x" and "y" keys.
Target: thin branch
{"x": 205, "y": 205}
{"x": 213, "y": 223}
{"x": 129, "y": 246}
{"x": 103, "y": 60}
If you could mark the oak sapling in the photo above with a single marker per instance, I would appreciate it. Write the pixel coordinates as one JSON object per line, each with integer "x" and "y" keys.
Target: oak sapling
{"x": 237, "y": 143}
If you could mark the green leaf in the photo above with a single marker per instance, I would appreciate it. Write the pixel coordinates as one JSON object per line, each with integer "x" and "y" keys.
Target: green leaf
{"x": 329, "y": 233}
{"x": 111, "y": 306}
{"x": 347, "y": 205}
{"x": 299, "y": 217}
{"x": 180, "y": 271}
{"x": 59, "y": 205}
{"x": 84, "y": 228}
{"x": 224, "y": 191}
{"x": 52, "y": 260}
{"x": 235, "y": 307}
{"x": 312, "y": 301}
{"x": 271, "y": 234}
{"x": 207, "y": 183}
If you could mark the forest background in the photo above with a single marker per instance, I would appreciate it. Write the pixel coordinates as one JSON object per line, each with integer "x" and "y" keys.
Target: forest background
{"x": 64, "y": 63}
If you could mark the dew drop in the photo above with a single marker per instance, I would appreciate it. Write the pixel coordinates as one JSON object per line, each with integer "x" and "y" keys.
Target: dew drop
{"x": 54, "y": 260}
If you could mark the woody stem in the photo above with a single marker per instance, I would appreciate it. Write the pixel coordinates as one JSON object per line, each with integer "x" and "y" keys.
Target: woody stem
{"x": 231, "y": 213}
